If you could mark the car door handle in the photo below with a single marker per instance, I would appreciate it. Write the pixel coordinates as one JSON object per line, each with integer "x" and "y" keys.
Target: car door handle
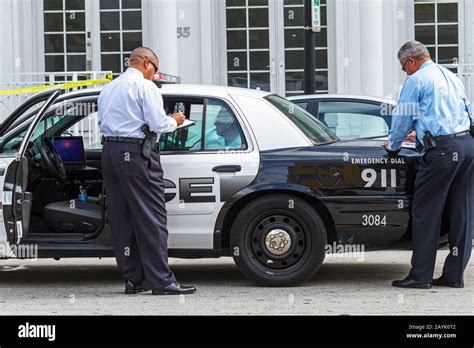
{"x": 227, "y": 169}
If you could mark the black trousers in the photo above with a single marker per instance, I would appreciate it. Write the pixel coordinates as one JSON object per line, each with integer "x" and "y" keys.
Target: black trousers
{"x": 444, "y": 180}
{"x": 137, "y": 213}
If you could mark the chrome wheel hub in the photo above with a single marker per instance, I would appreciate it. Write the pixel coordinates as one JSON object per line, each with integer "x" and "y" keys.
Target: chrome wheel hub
{"x": 278, "y": 242}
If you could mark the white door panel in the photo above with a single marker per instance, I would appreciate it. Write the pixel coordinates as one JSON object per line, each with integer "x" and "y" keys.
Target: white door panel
{"x": 5, "y": 240}
{"x": 199, "y": 193}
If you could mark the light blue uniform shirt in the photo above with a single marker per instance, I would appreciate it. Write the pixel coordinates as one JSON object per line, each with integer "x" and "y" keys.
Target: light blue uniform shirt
{"x": 129, "y": 102}
{"x": 432, "y": 100}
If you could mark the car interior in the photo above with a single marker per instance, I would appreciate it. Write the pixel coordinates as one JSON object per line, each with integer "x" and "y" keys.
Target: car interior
{"x": 59, "y": 165}
{"x": 64, "y": 159}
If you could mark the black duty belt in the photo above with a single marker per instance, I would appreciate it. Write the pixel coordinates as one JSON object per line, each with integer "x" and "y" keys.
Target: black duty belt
{"x": 137, "y": 141}
{"x": 124, "y": 140}
{"x": 451, "y": 136}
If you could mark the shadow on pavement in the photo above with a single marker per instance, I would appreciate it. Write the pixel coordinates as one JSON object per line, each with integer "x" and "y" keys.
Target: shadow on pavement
{"x": 212, "y": 273}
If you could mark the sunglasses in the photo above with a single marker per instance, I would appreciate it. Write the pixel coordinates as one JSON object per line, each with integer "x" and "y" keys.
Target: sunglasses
{"x": 154, "y": 65}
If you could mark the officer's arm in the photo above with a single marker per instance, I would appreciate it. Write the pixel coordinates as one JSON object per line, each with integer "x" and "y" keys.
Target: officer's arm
{"x": 403, "y": 114}
{"x": 154, "y": 113}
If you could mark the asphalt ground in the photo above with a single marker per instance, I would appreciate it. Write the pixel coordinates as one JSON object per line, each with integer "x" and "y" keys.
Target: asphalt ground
{"x": 343, "y": 286}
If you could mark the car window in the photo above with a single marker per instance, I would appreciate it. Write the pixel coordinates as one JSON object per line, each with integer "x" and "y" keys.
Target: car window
{"x": 88, "y": 129}
{"x": 302, "y": 104}
{"x": 307, "y": 123}
{"x": 184, "y": 139}
{"x": 46, "y": 126}
{"x": 222, "y": 128}
{"x": 354, "y": 120}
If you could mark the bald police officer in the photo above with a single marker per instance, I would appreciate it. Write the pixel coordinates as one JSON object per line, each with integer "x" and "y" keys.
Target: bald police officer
{"x": 130, "y": 107}
{"x": 433, "y": 102}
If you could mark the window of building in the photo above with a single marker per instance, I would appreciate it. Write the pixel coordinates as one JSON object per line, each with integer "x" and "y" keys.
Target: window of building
{"x": 436, "y": 26}
{"x": 294, "y": 48}
{"x": 248, "y": 46}
{"x": 120, "y": 32}
{"x": 64, "y": 35}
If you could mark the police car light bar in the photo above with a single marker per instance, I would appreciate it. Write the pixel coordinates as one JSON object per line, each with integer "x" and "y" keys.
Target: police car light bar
{"x": 162, "y": 78}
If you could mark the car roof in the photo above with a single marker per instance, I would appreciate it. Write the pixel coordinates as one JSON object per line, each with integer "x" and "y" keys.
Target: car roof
{"x": 207, "y": 89}
{"x": 344, "y": 96}
{"x": 188, "y": 90}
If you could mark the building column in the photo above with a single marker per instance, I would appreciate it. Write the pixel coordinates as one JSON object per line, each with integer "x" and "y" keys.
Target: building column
{"x": 363, "y": 38}
{"x": 371, "y": 50}
{"x": 160, "y": 22}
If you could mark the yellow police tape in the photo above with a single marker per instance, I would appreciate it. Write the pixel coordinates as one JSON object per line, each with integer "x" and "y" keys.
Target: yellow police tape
{"x": 63, "y": 86}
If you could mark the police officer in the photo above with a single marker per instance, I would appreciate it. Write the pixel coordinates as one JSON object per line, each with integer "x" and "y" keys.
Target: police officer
{"x": 131, "y": 118}
{"x": 433, "y": 102}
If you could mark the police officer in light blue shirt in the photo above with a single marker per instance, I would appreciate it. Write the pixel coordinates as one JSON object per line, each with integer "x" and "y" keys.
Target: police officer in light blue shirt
{"x": 433, "y": 102}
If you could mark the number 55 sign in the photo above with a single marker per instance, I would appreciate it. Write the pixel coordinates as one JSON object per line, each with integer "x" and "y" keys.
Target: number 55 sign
{"x": 316, "y": 16}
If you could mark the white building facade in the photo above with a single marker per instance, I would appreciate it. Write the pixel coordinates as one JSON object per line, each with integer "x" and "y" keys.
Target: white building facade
{"x": 248, "y": 43}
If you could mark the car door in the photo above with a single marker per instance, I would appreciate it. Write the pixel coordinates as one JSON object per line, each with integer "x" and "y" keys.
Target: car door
{"x": 16, "y": 202}
{"x": 203, "y": 164}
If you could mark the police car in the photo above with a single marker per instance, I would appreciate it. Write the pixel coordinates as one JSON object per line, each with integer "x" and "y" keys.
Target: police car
{"x": 254, "y": 177}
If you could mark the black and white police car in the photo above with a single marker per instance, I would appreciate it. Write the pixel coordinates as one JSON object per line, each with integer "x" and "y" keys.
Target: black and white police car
{"x": 255, "y": 177}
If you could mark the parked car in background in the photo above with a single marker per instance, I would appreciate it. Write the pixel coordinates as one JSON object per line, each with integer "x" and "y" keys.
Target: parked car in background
{"x": 351, "y": 116}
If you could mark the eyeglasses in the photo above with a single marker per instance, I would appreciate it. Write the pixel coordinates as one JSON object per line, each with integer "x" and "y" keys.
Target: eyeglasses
{"x": 148, "y": 59}
{"x": 406, "y": 61}
{"x": 154, "y": 65}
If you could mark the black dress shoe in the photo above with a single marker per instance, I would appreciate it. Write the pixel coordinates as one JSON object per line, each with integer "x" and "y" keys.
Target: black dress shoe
{"x": 131, "y": 288}
{"x": 175, "y": 289}
{"x": 443, "y": 282}
{"x": 411, "y": 284}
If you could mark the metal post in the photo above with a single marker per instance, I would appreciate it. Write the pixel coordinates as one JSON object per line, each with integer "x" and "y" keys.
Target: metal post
{"x": 309, "y": 50}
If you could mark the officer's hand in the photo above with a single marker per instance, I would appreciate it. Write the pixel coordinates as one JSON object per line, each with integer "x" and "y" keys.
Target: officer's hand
{"x": 179, "y": 117}
{"x": 390, "y": 152}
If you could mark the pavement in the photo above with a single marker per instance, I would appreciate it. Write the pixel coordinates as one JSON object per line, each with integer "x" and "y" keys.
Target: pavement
{"x": 343, "y": 286}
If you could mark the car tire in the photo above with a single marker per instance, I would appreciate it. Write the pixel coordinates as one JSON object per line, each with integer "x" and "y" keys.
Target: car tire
{"x": 278, "y": 240}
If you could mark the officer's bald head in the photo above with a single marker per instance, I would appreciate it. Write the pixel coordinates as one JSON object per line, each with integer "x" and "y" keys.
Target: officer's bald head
{"x": 145, "y": 60}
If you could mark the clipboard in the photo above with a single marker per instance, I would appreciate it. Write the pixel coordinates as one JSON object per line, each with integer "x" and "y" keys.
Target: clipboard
{"x": 187, "y": 123}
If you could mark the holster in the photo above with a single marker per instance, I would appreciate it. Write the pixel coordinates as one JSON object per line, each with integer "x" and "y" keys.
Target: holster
{"x": 149, "y": 142}
{"x": 429, "y": 142}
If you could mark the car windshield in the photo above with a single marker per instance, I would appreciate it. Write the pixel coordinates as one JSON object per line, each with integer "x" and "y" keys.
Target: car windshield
{"x": 309, "y": 125}
{"x": 50, "y": 123}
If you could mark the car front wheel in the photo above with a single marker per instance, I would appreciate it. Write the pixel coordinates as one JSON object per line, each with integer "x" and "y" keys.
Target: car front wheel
{"x": 278, "y": 240}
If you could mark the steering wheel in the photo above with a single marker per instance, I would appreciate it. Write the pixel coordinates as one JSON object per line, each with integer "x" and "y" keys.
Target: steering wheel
{"x": 51, "y": 158}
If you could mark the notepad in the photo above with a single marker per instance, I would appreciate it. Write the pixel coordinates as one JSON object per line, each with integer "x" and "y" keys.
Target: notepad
{"x": 187, "y": 123}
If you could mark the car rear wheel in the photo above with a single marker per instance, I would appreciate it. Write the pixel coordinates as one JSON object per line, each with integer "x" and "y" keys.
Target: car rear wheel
{"x": 278, "y": 240}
